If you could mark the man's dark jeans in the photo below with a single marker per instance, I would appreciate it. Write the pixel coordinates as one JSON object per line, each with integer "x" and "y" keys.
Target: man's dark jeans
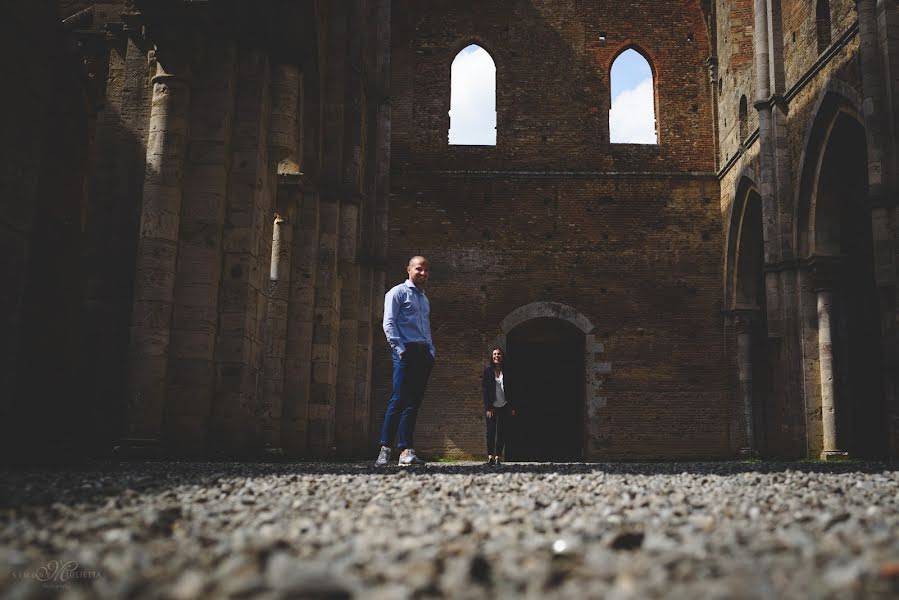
{"x": 410, "y": 377}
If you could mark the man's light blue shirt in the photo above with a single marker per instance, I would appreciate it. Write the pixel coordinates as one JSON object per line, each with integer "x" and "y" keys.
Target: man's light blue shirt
{"x": 407, "y": 317}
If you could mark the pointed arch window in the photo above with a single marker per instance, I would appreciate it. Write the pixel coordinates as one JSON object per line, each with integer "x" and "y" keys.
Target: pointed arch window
{"x": 822, "y": 18}
{"x": 632, "y": 118}
{"x": 473, "y": 98}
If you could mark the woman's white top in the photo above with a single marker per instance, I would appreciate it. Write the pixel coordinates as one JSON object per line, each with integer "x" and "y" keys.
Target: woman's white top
{"x": 500, "y": 392}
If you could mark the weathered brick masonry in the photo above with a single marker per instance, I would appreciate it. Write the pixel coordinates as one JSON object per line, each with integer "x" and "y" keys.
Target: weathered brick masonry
{"x": 628, "y": 236}
{"x": 204, "y": 203}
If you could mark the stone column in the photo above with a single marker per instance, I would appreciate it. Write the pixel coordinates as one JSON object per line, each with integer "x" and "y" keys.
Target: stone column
{"x": 238, "y": 353}
{"x": 877, "y": 115}
{"x": 195, "y": 320}
{"x": 824, "y": 271}
{"x": 328, "y": 283}
{"x": 743, "y": 323}
{"x": 283, "y": 146}
{"x": 879, "y": 54}
{"x": 381, "y": 200}
{"x": 301, "y": 318}
{"x": 352, "y": 214}
{"x": 767, "y": 176}
{"x": 888, "y": 36}
{"x": 349, "y": 327}
{"x": 276, "y": 323}
{"x": 157, "y": 249}
{"x": 325, "y": 333}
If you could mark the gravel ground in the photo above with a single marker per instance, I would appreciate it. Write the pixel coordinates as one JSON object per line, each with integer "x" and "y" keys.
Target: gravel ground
{"x": 312, "y": 530}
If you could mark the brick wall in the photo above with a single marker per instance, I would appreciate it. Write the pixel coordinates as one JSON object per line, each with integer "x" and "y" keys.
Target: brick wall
{"x": 628, "y": 236}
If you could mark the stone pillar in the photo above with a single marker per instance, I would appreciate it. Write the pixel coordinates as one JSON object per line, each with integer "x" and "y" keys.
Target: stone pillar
{"x": 876, "y": 118}
{"x": 276, "y": 322}
{"x": 352, "y": 214}
{"x": 195, "y": 319}
{"x": 283, "y": 146}
{"x": 381, "y": 199}
{"x": 349, "y": 328}
{"x": 157, "y": 249}
{"x": 325, "y": 333}
{"x": 824, "y": 271}
{"x": 767, "y": 177}
{"x": 775, "y": 188}
{"x": 362, "y": 391}
{"x": 238, "y": 349}
{"x": 879, "y": 55}
{"x": 301, "y": 317}
{"x": 888, "y": 36}
{"x": 743, "y": 323}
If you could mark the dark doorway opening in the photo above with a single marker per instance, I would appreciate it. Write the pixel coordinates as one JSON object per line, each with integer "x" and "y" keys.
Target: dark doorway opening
{"x": 844, "y": 229}
{"x": 546, "y": 362}
{"x": 768, "y": 406}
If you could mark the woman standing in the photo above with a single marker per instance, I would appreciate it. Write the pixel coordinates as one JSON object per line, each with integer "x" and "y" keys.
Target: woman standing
{"x": 498, "y": 406}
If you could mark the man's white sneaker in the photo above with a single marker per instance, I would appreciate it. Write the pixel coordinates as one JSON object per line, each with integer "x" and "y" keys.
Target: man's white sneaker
{"x": 383, "y": 457}
{"x": 408, "y": 459}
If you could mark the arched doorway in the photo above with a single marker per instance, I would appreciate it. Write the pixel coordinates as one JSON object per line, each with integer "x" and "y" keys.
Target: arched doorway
{"x": 766, "y": 412}
{"x": 842, "y": 232}
{"x": 546, "y": 361}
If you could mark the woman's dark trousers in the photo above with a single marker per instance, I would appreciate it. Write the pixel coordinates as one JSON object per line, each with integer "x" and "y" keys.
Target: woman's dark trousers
{"x": 496, "y": 431}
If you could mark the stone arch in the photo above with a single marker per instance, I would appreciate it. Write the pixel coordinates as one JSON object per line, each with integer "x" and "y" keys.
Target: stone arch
{"x": 554, "y": 310}
{"x": 745, "y": 185}
{"x": 595, "y": 369}
{"x": 472, "y": 40}
{"x": 836, "y": 97}
{"x": 835, "y": 234}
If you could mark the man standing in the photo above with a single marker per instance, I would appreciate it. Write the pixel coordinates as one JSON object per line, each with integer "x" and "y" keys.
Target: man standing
{"x": 407, "y": 326}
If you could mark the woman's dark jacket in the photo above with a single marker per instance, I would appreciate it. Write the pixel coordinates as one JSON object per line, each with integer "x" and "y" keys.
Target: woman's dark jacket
{"x": 488, "y": 383}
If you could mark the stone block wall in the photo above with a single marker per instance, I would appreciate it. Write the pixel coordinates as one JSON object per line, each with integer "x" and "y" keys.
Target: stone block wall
{"x": 814, "y": 80}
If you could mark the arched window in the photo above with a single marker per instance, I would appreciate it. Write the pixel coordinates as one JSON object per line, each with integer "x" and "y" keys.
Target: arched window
{"x": 822, "y": 17}
{"x": 744, "y": 119}
{"x": 632, "y": 119}
{"x": 473, "y": 98}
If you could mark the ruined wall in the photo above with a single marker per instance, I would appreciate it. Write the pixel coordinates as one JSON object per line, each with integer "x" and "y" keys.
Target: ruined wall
{"x": 810, "y": 67}
{"x": 736, "y": 75}
{"x": 626, "y": 235}
{"x": 142, "y": 249}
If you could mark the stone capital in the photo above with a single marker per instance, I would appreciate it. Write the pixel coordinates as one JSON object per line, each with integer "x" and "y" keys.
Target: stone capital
{"x": 743, "y": 317}
{"x": 825, "y": 271}
{"x": 879, "y": 199}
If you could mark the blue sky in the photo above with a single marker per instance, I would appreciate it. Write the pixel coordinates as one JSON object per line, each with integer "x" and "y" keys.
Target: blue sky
{"x": 473, "y": 96}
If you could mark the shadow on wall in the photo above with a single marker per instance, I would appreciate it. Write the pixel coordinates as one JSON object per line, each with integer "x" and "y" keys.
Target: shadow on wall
{"x": 72, "y": 360}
